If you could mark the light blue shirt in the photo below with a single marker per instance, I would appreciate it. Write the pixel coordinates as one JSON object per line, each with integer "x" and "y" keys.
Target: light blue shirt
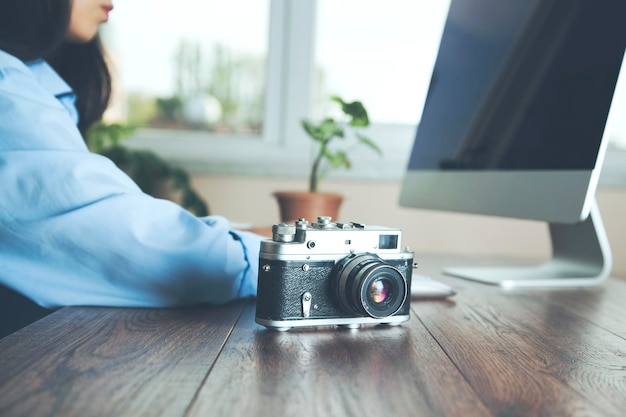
{"x": 76, "y": 230}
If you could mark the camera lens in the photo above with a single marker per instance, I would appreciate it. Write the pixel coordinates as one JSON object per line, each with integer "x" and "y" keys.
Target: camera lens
{"x": 366, "y": 285}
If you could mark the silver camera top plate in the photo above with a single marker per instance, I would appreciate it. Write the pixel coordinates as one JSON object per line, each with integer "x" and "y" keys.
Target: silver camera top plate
{"x": 326, "y": 238}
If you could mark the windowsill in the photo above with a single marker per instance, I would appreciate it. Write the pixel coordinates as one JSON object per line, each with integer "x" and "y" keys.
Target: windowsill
{"x": 199, "y": 153}
{"x": 251, "y": 156}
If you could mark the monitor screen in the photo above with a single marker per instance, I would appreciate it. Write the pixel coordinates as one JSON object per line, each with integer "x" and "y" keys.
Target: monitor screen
{"x": 514, "y": 120}
{"x": 515, "y": 125}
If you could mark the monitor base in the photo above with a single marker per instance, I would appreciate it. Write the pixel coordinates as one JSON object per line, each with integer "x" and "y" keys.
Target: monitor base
{"x": 581, "y": 257}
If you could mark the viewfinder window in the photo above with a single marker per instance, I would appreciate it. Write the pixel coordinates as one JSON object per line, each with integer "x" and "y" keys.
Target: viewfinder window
{"x": 388, "y": 242}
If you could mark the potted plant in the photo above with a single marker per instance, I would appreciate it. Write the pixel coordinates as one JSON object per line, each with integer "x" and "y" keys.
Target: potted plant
{"x": 295, "y": 205}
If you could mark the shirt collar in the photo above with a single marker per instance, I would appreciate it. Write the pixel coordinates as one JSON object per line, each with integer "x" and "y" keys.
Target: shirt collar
{"x": 49, "y": 79}
{"x": 52, "y": 82}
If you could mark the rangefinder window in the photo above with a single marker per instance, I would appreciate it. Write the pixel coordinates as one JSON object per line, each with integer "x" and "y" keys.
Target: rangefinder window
{"x": 388, "y": 242}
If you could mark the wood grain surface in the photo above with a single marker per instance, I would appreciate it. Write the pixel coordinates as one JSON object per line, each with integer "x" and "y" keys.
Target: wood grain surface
{"x": 485, "y": 352}
{"x": 111, "y": 362}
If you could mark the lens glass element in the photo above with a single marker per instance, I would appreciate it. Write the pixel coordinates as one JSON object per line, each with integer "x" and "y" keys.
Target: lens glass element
{"x": 379, "y": 290}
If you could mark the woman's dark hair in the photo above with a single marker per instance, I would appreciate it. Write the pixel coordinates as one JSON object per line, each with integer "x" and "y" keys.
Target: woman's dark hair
{"x": 84, "y": 68}
{"x": 36, "y": 29}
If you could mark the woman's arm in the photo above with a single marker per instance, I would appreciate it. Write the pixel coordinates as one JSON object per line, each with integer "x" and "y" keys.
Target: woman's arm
{"x": 75, "y": 230}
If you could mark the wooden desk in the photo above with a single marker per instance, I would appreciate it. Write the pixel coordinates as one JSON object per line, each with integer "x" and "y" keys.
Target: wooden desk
{"x": 486, "y": 352}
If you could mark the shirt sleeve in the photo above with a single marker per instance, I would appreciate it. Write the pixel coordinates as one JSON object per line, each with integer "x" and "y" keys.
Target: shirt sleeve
{"x": 75, "y": 230}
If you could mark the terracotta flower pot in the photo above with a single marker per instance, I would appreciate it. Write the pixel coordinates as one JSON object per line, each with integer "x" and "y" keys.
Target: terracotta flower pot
{"x": 295, "y": 205}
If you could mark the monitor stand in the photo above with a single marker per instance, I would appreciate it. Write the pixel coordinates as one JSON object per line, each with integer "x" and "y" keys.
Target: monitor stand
{"x": 581, "y": 256}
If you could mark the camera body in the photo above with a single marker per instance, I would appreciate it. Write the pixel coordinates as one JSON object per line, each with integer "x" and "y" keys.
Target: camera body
{"x": 330, "y": 273}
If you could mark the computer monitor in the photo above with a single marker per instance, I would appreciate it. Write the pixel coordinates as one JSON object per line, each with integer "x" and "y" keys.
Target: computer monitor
{"x": 514, "y": 125}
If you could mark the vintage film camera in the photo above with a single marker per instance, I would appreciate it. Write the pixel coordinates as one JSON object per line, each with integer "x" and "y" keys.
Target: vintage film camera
{"x": 331, "y": 273}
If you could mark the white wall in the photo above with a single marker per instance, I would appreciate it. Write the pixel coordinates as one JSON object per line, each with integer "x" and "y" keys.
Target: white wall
{"x": 249, "y": 200}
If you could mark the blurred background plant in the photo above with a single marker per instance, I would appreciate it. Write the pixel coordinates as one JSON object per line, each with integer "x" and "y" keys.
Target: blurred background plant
{"x": 354, "y": 117}
{"x": 152, "y": 174}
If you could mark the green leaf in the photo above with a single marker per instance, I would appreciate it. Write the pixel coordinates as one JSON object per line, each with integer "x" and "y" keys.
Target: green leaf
{"x": 338, "y": 99}
{"x": 329, "y": 128}
{"x": 337, "y": 159}
{"x": 312, "y": 130}
{"x": 367, "y": 141}
{"x": 355, "y": 110}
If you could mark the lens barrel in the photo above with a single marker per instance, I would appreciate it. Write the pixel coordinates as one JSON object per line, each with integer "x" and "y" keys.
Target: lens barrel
{"x": 367, "y": 285}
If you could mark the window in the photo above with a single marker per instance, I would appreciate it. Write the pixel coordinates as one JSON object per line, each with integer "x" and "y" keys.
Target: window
{"x": 382, "y": 55}
{"x": 221, "y": 87}
{"x": 145, "y": 61}
{"x": 196, "y": 66}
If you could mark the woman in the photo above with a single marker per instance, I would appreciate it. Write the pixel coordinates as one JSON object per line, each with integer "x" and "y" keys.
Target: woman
{"x": 74, "y": 229}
